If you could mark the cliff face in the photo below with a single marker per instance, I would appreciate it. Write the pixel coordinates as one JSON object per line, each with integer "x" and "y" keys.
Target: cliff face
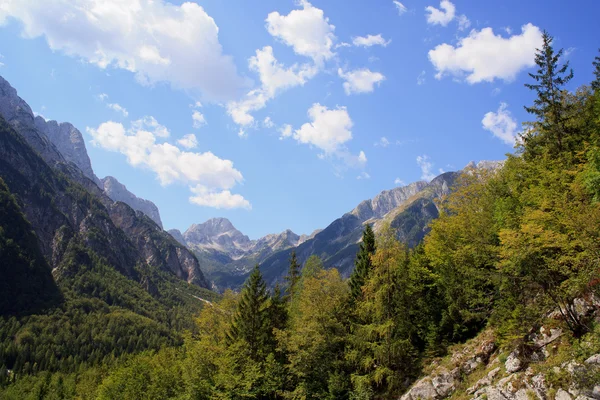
{"x": 118, "y": 192}
{"x": 64, "y": 204}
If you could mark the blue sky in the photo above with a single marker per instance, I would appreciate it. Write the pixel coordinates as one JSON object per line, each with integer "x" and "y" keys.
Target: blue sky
{"x": 299, "y": 110}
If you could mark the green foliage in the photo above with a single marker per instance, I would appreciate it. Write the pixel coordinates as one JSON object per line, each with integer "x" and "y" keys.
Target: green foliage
{"x": 26, "y": 283}
{"x": 293, "y": 275}
{"x": 549, "y": 107}
{"x": 362, "y": 264}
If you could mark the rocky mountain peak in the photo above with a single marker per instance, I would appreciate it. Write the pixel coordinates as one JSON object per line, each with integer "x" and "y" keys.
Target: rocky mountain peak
{"x": 118, "y": 192}
{"x": 69, "y": 141}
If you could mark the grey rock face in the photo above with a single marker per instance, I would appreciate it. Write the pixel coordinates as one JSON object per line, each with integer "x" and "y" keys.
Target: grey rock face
{"x": 219, "y": 234}
{"x": 386, "y": 201}
{"x": 118, "y": 192}
{"x": 69, "y": 141}
{"x": 18, "y": 114}
{"x": 177, "y": 235}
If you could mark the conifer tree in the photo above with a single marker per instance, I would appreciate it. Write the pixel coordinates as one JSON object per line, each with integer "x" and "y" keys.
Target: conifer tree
{"x": 549, "y": 106}
{"x": 362, "y": 263}
{"x": 293, "y": 275}
{"x": 251, "y": 322}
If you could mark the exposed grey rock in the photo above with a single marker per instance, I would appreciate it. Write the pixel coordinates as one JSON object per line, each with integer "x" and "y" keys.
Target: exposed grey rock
{"x": 513, "y": 363}
{"x": 177, "y": 235}
{"x": 118, "y": 192}
{"x": 562, "y": 395}
{"x": 69, "y": 141}
{"x": 595, "y": 359}
{"x": 18, "y": 114}
{"x": 422, "y": 390}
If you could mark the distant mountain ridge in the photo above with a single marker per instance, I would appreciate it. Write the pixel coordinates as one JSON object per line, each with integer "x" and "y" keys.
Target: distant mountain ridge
{"x": 228, "y": 254}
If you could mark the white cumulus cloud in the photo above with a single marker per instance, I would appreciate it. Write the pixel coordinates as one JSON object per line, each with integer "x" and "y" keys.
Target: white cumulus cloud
{"x": 274, "y": 77}
{"x": 156, "y": 40}
{"x": 307, "y": 31}
{"x": 170, "y": 164}
{"x": 203, "y": 196}
{"x": 360, "y": 80}
{"x": 328, "y": 130}
{"x": 441, "y": 16}
{"x": 399, "y": 182}
{"x": 483, "y": 56}
{"x": 188, "y": 141}
{"x": 370, "y": 40}
{"x": 502, "y": 124}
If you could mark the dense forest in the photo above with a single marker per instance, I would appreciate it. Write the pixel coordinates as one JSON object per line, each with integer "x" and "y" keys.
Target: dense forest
{"x": 511, "y": 245}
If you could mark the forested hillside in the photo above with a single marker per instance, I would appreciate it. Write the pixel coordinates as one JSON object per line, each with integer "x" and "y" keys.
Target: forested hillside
{"x": 513, "y": 250}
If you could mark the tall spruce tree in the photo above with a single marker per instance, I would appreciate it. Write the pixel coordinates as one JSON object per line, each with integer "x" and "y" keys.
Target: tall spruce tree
{"x": 293, "y": 275}
{"x": 596, "y": 81}
{"x": 549, "y": 107}
{"x": 251, "y": 322}
{"x": 362, "y": 263}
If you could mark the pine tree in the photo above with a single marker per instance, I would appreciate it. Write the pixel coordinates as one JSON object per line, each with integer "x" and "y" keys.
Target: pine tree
{"x": 362, "y": 263}
{"x": 251, "y": 323}
{"x": 549, "y": 106}
{"x": 596, "y": 81}
{"x": 293, "y": 275}
{"x": 277, "y": 309}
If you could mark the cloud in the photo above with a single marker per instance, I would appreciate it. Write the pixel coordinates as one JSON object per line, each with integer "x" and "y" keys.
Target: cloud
{"x": 383, "y": 142}
{"x": 426, "y": 167}
{"x": 463, "y": 22}
{"x": 268, "y": 123}
{"x": 441, "y": 16}
{"x": 113, "y": 106}
{"x": 400, "y": 7}
{"x": 501, "y": 124}
{"x": 360, "y": 80}
{"x": 399, "y": 182}
{"x": 274, "y": 77}
{"x": 483, "y": 56}
{"x": 363, "y": 175}
{"x": 286, "y": 131}
{"x": 224, "y": 199}
{"x": 198, "y": 119}
{"x": 214, "y": 175}
{"x": 421, "y": 78}
{"x": 149, "y": 122}
{"x": 370, "y": 40}
{"x": 188, "y": 141}
{"x": 154, "y": 39}
{"x": 118, "y": 108}
{"x": 307, "y": 31}
{"x": 328, "y": 130}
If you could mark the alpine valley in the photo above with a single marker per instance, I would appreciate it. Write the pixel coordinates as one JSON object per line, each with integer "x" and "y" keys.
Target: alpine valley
{"x": 481, "y": 283}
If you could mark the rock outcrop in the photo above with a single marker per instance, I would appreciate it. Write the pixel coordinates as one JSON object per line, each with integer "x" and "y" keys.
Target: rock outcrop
{"x": 118, "y": 192}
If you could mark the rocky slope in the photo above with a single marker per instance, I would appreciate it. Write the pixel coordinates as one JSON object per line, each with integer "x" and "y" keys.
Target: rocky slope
{"x": 548, "y": 364}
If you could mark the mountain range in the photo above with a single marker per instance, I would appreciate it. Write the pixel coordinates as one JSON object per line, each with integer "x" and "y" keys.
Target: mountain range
{"x": 219, "y": 250}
